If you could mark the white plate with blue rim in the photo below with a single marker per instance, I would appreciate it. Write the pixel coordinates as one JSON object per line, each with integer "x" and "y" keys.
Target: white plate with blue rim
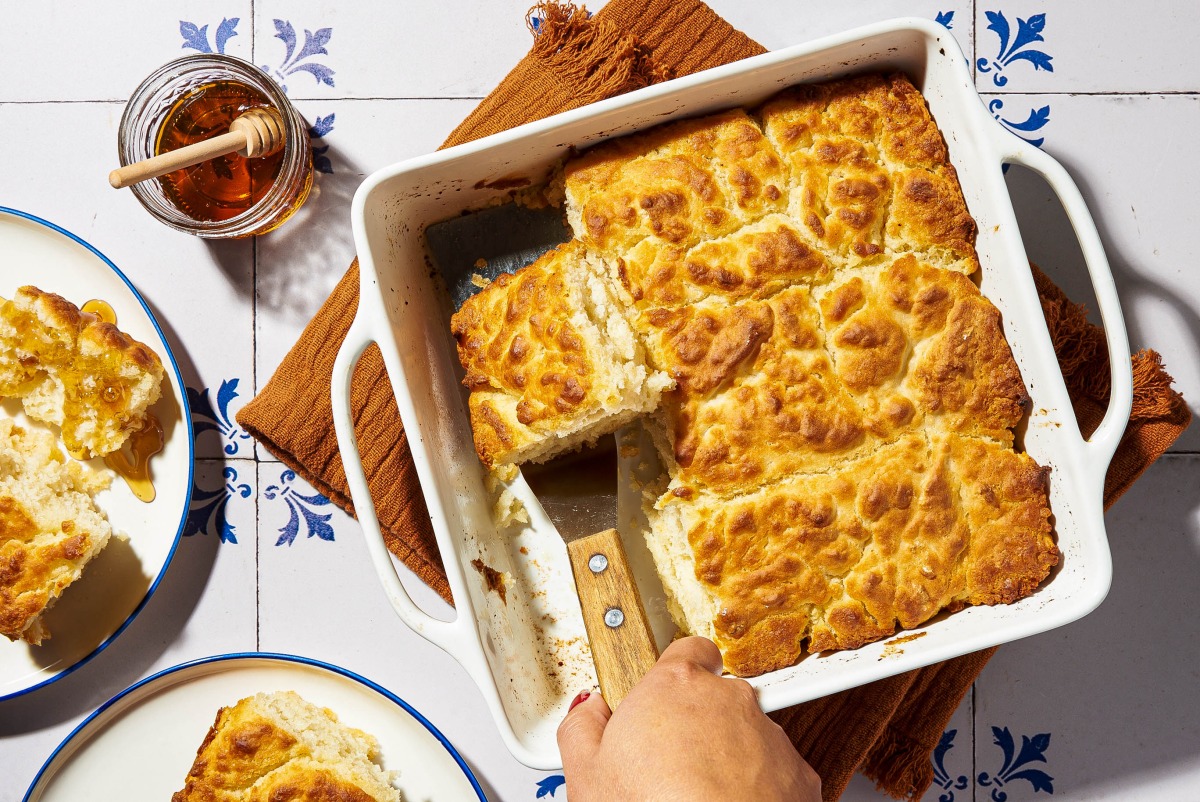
{"x": 118, "y": 582}
{"x": 140, "y": 745}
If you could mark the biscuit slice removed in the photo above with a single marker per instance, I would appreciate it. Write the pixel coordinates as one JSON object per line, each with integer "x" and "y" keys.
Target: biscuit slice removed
{"x": 551, "y": 361}
{"x": 49, "y": 527}
{"x": 275, "y": 746}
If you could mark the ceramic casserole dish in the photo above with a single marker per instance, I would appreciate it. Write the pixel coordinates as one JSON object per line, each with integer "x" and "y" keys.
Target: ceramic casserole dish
{"x": 528, "y": 653}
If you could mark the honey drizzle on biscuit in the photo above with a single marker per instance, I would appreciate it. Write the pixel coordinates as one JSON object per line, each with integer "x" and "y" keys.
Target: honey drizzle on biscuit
{"x": 132, "y": 461}
{"x": 101, "y": 310}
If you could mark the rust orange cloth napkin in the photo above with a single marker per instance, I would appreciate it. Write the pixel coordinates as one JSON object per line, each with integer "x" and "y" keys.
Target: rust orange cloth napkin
{"x": 887, "y": 729}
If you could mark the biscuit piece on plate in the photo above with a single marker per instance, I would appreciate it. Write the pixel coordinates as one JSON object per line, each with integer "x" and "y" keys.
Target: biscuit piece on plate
{"x": 550, "y": 360}
{"x": 75, "y": 371}
{"x": 49, "y": 527}
{"x": 278, "y": 746}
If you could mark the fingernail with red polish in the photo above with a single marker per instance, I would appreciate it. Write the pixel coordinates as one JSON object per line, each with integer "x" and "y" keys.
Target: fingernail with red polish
{"x": 579, "y": 699}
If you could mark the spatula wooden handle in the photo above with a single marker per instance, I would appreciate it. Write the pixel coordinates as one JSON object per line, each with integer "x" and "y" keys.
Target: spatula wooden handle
{"x": 622, "y": 642}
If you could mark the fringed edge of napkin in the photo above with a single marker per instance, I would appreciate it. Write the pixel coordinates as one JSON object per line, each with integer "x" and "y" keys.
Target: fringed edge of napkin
{"x": 576, "y": 59}
{"x": 1160, "y": 413}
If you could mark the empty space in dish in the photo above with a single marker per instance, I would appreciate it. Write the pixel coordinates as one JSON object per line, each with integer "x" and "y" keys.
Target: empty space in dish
{"x": 408, "y": 312}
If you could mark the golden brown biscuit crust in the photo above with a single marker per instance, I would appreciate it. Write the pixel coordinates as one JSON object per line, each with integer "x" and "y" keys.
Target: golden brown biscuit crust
{"x": 676, "y": 185}
{"x": 870, "y": 170}
{"x": 839, "y": 439}
{"x": 35, "y": 566}
{"x": 549, "y": 359}
{"x": 247, "y": 756}
{"x": 106, "y": 379}
{"x": 517, "y": 343}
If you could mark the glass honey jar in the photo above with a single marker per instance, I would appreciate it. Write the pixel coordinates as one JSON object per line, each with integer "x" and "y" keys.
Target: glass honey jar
{"x": 196, "y": 98}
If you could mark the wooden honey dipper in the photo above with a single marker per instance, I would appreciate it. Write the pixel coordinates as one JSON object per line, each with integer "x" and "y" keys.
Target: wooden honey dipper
{"x": 257, "y": 133}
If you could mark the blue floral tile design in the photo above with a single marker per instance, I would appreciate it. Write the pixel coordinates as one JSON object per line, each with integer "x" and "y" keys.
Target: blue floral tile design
{"x": 546, "y": 787}
{"x": 945, "y": 18}
{"x": 205, "y": 418}
{"x": 1016, "y": 764}
{"x": 302, "y": 508}
{"x": 301, "y": 59}
{"x": 1025, "y": 129}
{"x": 319, "y": 129}
{"x": 207, "y": 513}
{"x": 196, "y": 38}
{"x": 1015, "y": 48}
{"x": 941, "y": 777}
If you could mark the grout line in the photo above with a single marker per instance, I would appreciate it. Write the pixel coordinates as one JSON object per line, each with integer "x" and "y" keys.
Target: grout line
{"x": 257, "y": 563}
{"x": 1099, "y": 93}
{"x": 254, "y": 321}
{"x": 254, "y": 386}
{"x": 417, "y": 98}
{"x": 974, "y": 46}
{"x": 974, "y": 750}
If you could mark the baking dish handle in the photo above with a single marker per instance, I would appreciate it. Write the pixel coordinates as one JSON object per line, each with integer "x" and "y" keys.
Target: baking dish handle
{"x": 442, "y": 633}
{"x": 1103, "y": 442}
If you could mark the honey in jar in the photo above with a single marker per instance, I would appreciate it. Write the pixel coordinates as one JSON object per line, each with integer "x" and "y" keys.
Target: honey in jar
{"x": 195, "y": 98}
{"x": 228, "y": 185}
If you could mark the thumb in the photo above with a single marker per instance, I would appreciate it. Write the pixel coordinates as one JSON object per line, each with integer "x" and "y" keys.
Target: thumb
{"x": 580, "y": 732}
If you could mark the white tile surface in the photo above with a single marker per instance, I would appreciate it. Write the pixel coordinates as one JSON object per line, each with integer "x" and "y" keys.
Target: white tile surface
{"x": 779, "y": 25}
{"x": 1114, "y": 692}
{"x": 82, "y": 51}
{"x": 1140, "y": 196}
{"x": 1091, "y": 47}
{"x": 421, "y": 49}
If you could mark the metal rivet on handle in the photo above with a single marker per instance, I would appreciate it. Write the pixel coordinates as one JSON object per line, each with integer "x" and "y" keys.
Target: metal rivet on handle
{"x": 597, "y": 562}
{"x": 614, "y": 617}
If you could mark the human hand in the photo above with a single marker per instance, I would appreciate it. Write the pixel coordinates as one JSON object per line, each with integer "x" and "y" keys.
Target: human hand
{"x": 683, "y": 733}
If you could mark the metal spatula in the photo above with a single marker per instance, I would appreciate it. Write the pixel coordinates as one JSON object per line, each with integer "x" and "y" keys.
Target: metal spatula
{"x": 577, "y": 491}
{"x": 579, "y": 494}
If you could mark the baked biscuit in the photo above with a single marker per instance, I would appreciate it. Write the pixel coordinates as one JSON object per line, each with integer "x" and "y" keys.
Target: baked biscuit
{"x": 838, "y": 439}
{"x": 49, "y": 527}
{"x": 757, "y": 397}
{"x": 870, "y": 172}
{"x": 912, "y": 341}
{"x": 844, "y": 558}
{"x": 277, "y": 746}
{"x": 550, "y": 361}
{"x": 676, "y": 185}
{"x": 75, "y": 371}
{"x": 754, "y": 263}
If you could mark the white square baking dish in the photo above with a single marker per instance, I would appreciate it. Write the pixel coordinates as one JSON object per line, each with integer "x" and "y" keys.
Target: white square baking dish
{"x": 529, "y": 655}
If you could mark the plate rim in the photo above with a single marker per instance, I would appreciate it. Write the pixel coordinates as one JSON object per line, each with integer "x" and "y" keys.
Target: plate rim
{"x": 231, "y": 657}
{"x": 191, "y": 445}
